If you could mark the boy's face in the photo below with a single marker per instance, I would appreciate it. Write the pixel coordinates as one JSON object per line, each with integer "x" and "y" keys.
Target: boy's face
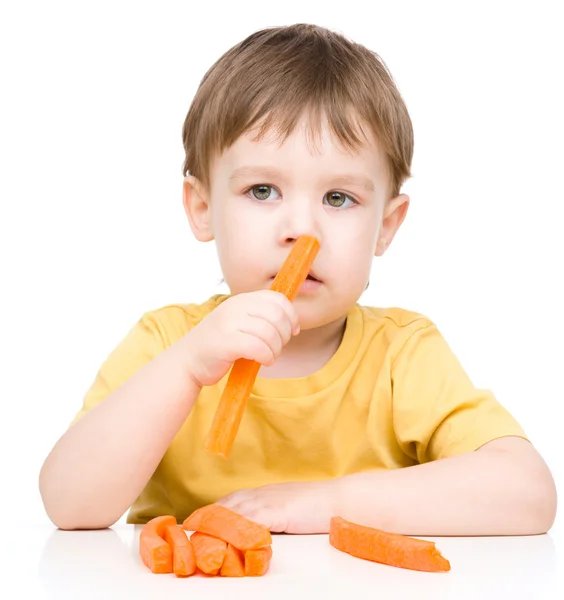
{"x": 264, "y": 195}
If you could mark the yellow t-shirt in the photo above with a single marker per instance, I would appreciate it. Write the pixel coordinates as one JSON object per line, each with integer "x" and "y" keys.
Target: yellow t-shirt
{"x": 393, "y": 395}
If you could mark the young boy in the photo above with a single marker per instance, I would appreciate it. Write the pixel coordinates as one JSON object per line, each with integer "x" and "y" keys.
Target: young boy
{"x": 357, "y": 411}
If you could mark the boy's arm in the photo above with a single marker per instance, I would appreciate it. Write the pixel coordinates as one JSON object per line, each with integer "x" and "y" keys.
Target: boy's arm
{"x": 504, "y": 488}
{"x": 103, "y": 461}
{"x": 101, "y": 464}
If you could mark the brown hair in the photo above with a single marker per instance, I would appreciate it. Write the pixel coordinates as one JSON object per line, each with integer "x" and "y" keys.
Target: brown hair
{"x": 275, "y": 75}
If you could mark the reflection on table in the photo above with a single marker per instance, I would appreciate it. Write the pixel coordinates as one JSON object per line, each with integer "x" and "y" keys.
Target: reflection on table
{"x": 106, "y": 564}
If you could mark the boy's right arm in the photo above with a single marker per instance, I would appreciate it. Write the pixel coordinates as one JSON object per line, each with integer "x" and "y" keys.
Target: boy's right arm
{"x": 102, "y": 463}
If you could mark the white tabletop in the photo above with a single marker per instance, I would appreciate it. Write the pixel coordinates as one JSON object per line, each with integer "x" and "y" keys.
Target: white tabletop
{"x": 43, "y": 562}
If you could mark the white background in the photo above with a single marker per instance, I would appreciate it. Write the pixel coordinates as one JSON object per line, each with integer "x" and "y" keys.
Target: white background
{"x": 92, "y": 230}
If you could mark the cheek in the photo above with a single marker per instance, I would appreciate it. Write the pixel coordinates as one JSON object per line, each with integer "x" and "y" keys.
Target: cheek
{"x": 352, "y": 257}
{"x": 239, "y": 252}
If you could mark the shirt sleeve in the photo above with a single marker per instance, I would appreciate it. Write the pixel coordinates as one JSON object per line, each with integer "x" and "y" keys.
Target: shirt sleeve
{"x": 138, "y": 347}
{"x": 437, "y": 411}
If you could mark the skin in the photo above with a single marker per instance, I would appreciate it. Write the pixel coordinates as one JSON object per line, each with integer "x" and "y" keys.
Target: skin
{"x": 101, "y": 464}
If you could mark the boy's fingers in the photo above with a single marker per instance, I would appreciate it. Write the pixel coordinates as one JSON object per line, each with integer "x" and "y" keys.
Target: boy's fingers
{"x": 253, "y": 348}
{"x": 276, "y": 318}
{"x": 287, "y": 306}
{"x": 265, "y": 331}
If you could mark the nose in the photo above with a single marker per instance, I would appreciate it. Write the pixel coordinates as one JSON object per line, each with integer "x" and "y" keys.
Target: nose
{"x": 299, "y": 218}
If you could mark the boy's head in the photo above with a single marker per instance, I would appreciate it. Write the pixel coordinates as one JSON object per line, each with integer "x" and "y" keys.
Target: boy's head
{"x": 294, "y": 131}
{"x": 278, "y": 75}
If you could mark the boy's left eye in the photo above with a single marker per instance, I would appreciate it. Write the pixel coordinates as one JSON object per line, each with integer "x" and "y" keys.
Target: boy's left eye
{"x": 338, "y": 199}
{"x": 262, "y": 192}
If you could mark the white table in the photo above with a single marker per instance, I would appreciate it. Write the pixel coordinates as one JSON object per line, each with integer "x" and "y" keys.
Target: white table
{"x": 43, "y": 562}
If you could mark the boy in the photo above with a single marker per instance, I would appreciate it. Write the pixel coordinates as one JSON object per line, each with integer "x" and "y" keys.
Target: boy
{"x": 360, "y": 412}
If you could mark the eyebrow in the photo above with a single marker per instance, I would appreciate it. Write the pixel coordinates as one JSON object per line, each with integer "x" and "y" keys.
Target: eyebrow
{"x": 356, "y": 179}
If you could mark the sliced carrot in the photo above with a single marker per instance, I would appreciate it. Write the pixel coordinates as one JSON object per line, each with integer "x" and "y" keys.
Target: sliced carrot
{"x": 234, "y": 563}
{"x": 240, "y": 383}
{"x": 210, "y": 552}
{"x": 227, "y": 525}
{"x": 257, "y": 561}
{"x": 183, "y": 557}
{"x": 155, "y": 552}
{"x": 388, "y": 548}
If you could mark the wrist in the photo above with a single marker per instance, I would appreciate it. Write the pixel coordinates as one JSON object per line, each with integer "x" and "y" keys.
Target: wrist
{"x": 184, "y": 349}
{"x": 340, "y": 496}
{"x": 364, "y": 498}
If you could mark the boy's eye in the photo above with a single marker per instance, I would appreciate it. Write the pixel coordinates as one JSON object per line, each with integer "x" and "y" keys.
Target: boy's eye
{"x": 338, "y": 199}
{"x": 261, "y": 192}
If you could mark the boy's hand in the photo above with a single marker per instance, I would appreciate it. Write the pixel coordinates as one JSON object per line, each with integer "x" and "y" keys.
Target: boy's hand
{"x": 254, "y": 325}
{"x": 301, "y": 507}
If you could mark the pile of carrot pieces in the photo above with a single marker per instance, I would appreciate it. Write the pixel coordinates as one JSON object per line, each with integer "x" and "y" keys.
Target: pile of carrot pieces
{"x": 227, "y": 544}
{"x": 223, "y": 543}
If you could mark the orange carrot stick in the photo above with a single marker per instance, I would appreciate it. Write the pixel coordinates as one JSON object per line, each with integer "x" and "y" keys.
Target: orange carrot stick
{"x": 387, "y": 548}
{"x": 155, "y": 552}
{"x": 210, "y": 552}
{"x": 227, "y": 525}
{"x": 183, "y": 557}
{"x": 234, "y": 563}
{"x": 240, "y": 383}
{"x": 257, "y": 561}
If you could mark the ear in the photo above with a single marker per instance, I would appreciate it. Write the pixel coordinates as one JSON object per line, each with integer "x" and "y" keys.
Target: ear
{"x": 394, "y": 215}
{"x": 197, "y": 206}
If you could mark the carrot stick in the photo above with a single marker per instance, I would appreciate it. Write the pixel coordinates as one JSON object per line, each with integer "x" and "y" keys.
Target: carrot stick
{"x": 210, "y": 552}
{"x": 155, "y": 552}
{"x": 183, "y": 557}
{"x": 227, "y": 525}
{"x": 387, "y": 548}
{"x": 257, "y": 561}
{"x": 234, "y": 563}
{"x": 240, "y": 383}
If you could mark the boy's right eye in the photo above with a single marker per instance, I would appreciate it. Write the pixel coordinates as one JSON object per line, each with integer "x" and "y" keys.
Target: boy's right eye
{"x": 261, "y": 192}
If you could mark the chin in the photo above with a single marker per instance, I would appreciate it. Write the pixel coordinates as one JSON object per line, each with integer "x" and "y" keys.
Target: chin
{"x": 316, "y": 314}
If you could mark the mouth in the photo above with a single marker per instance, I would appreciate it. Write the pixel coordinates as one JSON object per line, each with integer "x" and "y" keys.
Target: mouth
{"x": 311, "y": 277}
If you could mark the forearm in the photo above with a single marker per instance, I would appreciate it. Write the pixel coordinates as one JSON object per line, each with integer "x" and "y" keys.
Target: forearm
{"x": 101, "y": 464}
{"x": 486, "y": 492}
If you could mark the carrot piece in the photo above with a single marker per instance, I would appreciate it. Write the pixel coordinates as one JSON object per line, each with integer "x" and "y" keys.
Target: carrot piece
{"x": 210, "y": 552}
{"x": 234, "y": 563}
{"x": 183, "y": 557}
{"x": 388, "y": 548}
{"x": 155, "y": 551}
{"x": 227, "y": 525}
{"x": 257, "y": 561}
{"x": 240, "y": 383}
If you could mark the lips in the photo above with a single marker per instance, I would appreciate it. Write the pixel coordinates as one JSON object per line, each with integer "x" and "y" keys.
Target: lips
{"x": 311, "y": 276}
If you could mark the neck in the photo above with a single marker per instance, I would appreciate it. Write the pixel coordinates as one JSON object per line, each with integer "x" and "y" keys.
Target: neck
{"x": 307, "y": 352}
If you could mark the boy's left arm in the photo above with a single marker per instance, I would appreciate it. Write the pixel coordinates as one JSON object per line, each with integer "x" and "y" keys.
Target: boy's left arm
{"x": 503, "y": 488}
